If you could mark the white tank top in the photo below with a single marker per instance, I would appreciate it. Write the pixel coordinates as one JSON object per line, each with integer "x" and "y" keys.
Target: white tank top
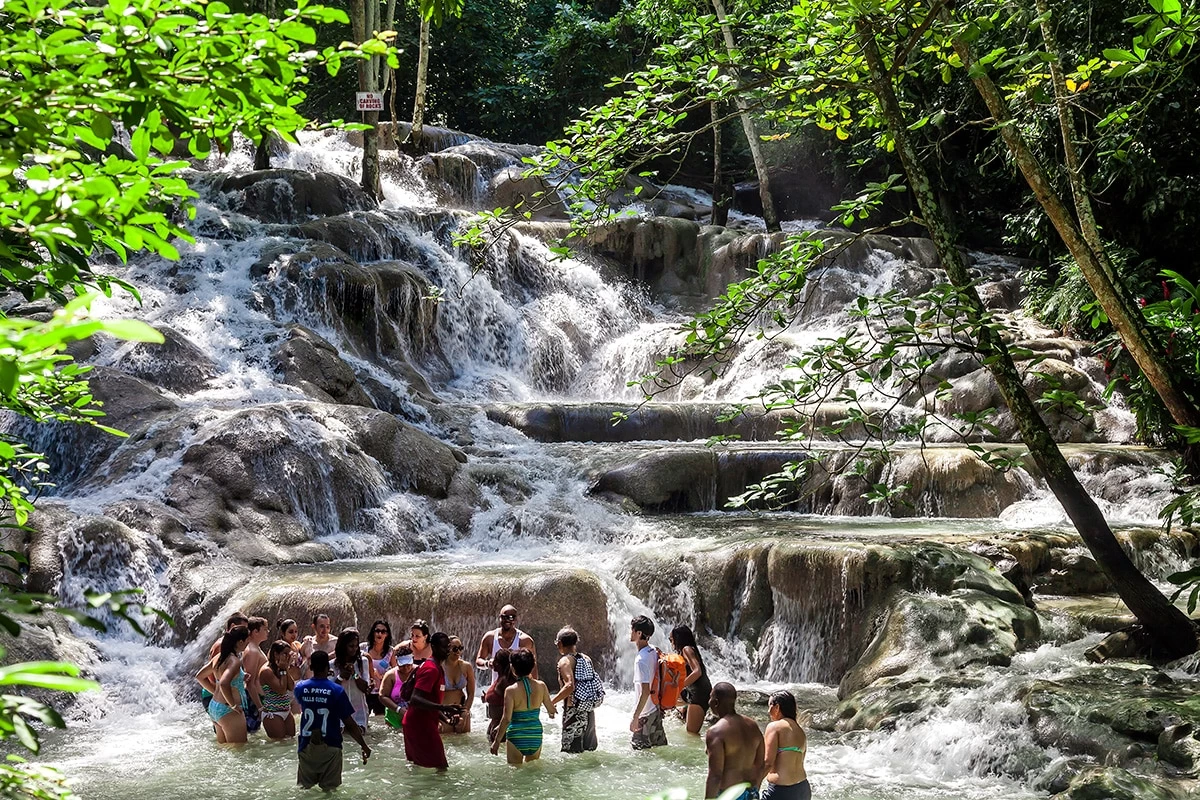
{"x": 496, "y": 647}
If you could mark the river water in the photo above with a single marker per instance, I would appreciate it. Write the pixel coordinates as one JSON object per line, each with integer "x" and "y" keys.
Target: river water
{"x": 575, "y": 338}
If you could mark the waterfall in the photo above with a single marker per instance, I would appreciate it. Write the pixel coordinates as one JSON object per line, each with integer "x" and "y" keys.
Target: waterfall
{"x": 359, "y": 417}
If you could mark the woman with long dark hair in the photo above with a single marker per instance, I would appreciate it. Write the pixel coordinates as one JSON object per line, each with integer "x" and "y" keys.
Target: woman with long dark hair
{"x": 224, "y": 678}
{"x": 696, "y": 686}
{"x": 277, "y": 680}
{"x": 785, "y": 748}
{"x": 352, "y": 670}
{"x": 418, "y": 641}
{"x": 378, "y": 648}
{"x": 459, "y": 688}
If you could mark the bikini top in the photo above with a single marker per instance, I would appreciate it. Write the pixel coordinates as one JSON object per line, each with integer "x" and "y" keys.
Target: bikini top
{"x": 459, "y": 684}
{"x": 790, "y": 749}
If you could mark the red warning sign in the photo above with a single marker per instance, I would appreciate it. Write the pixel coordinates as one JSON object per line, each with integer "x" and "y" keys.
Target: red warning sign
{"x": 368, "y": 101}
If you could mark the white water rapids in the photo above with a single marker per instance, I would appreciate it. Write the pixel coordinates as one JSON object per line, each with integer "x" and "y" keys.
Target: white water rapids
{"x": 525, "y": 328}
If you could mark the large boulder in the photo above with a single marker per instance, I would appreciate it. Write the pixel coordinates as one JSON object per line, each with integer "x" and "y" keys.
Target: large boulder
{"x": 510, "y": 188}
{"x": 1114, "y": 783}
{"x": 266, "y": 481}
{"x": 176, "y": 364}
{"x": 76, "y": 452}
{"x": 942, "y": 633}
{"x": 312, "y": 364}
{"x": 289, "y": 195}
{"x": 460, "y": 600}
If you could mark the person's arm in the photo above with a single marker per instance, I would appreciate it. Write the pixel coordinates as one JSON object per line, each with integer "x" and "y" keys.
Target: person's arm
{"x": 527, "y": 642}
{"x": 225, "y": 684}
{"x": 385, "y": 691}
{"x": 253, "y": 687}
{"x": 694, "y": 668}
{"x": 770, "y": 747}
{"x": 546, "y": 701}
{"x": 356, "y": 734}
{"x": 484, "y": 659}
{"x": 275, "y": 682}
{"x": 207, "y": 678}
{"x": 469, "y": 696}
{"x": 644, "y": 695}
{"x": 566, "y": 678}
{"x": 760, "y": 761}
{"x": 716, "y": 764}
{"x": 502, "y": 730}
{"x": 364, "y": 684}
{"x": 422, "y": 698}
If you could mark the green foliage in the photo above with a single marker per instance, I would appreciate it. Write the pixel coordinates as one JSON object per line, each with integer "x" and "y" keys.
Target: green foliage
{"x": 98, "y": 103}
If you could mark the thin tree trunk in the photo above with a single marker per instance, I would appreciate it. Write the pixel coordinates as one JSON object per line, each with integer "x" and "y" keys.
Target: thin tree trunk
{"x": 262, "y": 151}
{"x": 720, "y": 200}
{"x": 1066, "y": 122}
{"x": 1170, "y": 629}
{"x": 760, "y": 161}
{"x": 363, "y": 16}
{"x": 418, "y": 120}
{"x": 389, "y": 24}
{"x": 1128, "y": 322}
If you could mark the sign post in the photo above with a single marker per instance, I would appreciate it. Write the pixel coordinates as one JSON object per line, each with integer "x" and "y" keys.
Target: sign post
{"x": 368, "y": 101}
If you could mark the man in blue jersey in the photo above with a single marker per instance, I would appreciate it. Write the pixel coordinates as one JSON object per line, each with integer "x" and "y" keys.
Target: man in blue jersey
{"x": 324, "y": 709}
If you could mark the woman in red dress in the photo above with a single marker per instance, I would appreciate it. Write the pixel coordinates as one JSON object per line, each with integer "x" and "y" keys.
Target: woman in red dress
{"x": 422, "y": 739}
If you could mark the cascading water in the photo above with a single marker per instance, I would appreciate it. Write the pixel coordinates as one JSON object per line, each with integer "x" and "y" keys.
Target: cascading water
{"x": 436, "y": 510}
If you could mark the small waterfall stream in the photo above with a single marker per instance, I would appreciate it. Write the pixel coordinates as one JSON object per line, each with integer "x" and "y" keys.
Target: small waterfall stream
{"x": 329, "y": 437}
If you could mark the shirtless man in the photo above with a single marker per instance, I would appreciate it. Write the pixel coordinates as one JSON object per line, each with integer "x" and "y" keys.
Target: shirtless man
{"x": 506, "y": 637}
{"x": 736, "y": 752}
{"x": 253, "y": 660}
{"x": 320, "y": 639}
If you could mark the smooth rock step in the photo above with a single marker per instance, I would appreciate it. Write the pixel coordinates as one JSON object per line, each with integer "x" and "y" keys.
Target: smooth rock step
{"x": 937, "y": 481}
{"x": 678, "y": 422}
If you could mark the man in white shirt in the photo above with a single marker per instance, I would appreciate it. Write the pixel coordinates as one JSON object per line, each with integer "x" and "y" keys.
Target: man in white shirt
{"x": 647, "y": 722}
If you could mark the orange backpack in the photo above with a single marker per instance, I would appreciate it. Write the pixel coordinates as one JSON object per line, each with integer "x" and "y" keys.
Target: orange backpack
{"x": 668, "y": 680}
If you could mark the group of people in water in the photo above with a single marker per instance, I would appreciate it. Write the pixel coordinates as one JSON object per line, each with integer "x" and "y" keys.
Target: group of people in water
{"x": 424, "y": 687}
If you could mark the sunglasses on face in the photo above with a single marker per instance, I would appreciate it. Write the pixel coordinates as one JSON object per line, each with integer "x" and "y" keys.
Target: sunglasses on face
{"x": 456, "y": 649}
{"x": 508, "y": 617}
{"x": 379, "y": 630}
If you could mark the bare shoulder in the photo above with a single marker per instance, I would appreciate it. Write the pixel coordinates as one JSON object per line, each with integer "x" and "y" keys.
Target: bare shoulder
{"x": 526, "y": 641}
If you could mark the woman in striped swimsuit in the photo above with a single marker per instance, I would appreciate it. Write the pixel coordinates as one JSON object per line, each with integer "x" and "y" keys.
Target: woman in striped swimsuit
{"x": 277, "y": 679}
{"x": 522, "y": 724}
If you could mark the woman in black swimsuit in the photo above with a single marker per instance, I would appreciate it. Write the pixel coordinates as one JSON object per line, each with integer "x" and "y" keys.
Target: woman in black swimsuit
{"x": 696, "y": 686}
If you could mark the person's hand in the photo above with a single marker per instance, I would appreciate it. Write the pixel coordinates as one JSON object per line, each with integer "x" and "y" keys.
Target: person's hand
{"x": 635, "y": 726}
{"x": 495, "y": 746}
{"x": 551, "y": 712}
{"x": 366, "y": 753}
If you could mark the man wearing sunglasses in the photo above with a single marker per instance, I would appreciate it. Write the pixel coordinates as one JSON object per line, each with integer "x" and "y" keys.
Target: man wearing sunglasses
{"x": 506, "y": 637}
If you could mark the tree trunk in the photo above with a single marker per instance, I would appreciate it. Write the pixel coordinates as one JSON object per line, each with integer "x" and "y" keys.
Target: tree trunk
{"x": 1171, "y": 630}
{"x": 720, "y": 200}
{"x": 1128, "y": 321}
{"x": 262, "y": 151}
{"x": 760, "y": 162}
{"x": 363, "y": 16}
{"x": 418, "y": 120}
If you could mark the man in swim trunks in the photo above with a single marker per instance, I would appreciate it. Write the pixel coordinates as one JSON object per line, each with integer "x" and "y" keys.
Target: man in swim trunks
{"x": 647, "y": 722}
{"x": 324, "y": 709}
{"x": 736, "y": 751}
{"x": 506, "y": 637}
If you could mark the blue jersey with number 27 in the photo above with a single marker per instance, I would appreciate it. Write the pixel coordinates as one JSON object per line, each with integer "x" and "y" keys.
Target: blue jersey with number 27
{"x": 323, "y": 706}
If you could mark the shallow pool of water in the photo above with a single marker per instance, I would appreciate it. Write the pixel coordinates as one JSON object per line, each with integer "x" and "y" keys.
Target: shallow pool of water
{"x": 169, "y": 753}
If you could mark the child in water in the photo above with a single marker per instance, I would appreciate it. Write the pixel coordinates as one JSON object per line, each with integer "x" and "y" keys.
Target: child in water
{"x": 494, "y": 696}
{"x": 521, "y": 725}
